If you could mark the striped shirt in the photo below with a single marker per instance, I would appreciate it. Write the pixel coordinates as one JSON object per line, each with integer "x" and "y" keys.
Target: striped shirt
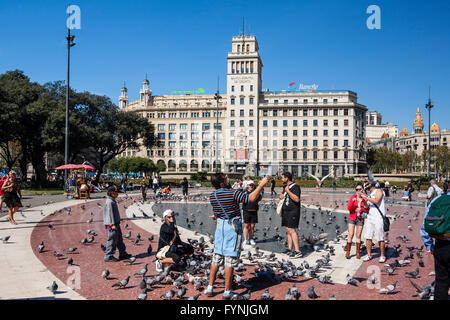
{"x": 229, "y": 199}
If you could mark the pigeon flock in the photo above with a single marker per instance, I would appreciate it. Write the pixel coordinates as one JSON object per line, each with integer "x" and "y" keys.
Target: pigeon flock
{"x": 257, "y": 270}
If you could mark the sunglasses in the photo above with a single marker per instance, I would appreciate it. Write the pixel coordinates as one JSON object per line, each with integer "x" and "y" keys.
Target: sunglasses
{"x": 170, "y": 217}
{"x": 358, "y": 189}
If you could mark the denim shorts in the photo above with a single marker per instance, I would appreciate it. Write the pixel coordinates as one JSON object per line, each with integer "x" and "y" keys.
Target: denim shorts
{"x": 227, "y": 242}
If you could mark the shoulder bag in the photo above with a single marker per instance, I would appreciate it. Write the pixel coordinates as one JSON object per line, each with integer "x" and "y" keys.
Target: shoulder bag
{"x": 236, "y": 223}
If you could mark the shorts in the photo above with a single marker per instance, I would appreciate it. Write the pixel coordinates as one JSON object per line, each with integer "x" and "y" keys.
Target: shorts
{"x": 290, "y": 219}
{"x": 228, "y": 262}
{"x": 250, "y": 217}
{"x": 359, "y": 222}
{"x": 185, "y": 192}
{"x": 374, "y": 230}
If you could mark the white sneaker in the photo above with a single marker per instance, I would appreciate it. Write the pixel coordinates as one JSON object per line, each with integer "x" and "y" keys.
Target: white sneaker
{"x": 252, "y": 242}
{"x": 159, "y": 267}
{"x": 367, "y": 258}
{"x": 382, "y": 259}
{"x": 246, "y": 245}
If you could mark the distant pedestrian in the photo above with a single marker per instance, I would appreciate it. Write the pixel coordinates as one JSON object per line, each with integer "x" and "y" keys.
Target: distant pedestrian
{"x": 433, "y": 191}
{"x": 12, "y": 196}
{"x": 144, "y": 188}
{"x": 111, "y": 220}
{"x": 159, "y": 181}
{"x": 445, "y": 187}
{"x": 290, "y": 217}
{"x": 272, "y": 186}
{"x": 2, "y": 193}
{"x": 334, "y": 184}
{"x": 123, "y": 184}
{"x": 410, "y": 189}
{"x": 185, "y": 187}
{"x": 155, "y": 184}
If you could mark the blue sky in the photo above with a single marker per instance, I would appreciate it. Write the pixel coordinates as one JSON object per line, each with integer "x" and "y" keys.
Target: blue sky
{"x": 182, "y": 45}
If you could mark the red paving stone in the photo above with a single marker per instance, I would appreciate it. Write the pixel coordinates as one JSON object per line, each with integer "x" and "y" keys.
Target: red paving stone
{"x": 69, "y": 230}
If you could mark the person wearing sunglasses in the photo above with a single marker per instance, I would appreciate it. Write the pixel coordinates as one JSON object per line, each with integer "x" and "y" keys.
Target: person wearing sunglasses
{"x": 170, "y": 247}
{"x": 358, "y": 209}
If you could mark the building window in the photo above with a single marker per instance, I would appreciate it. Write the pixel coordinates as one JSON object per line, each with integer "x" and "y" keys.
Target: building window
{"x": 232, "y": 123}
{"x": 275, "y": 133}
{"x": 284, "y": 143}
{"x": 264, "y": 143}
{"x": 345, "y": 122}
{"x": 274, "y": 143}
{"x": 305, "y": 155}
{"x": 232, "y": 88}
{"x": 315, "y": 101}
{"x": 241, "y": 112}
{"x": 250, "y": 123}
{"x": 295, "y": 133}
{"x": 265, "y": 133}
{"x": 325, "y": 101}
{"x": 325, "y": 122}
{"x": 266, "y": 101}
{"x": 294, "y": 143}
{"x": 335, "y": 112}
{"x": 161, "y": 127}
{"x": 305, "y": 101}
{"x": 335, "y": 143}
{"x": 264, "y": 113}
{"x": 325, "y": 133}
{"x": 315, "y": 123}
{"x": 305, "y": 133}
{"x": 251, "y": 113}
{"x": 314, "y": 143}
{"x": 241, "y": 100}
{"x": 336, "y": 123}
{"x": 241, "y": 123}
{"x": 345, "y": 132}
{"x": 294, "y": 155}
{"x": 232, "y": 100}
{"x": 314, "y": 155}
{"x": 345, "y": 154}
{"x": 285, "y": 101}
{"x": 284, "y": 155}
{"x": 242, "y": 88}
{"x": 275, "y": 101}
{"x": 305, "y": 112}
{"x": 275, "y": 123}
{"x": 305, "y": 123}
{"x": 345, "y": 143}
{"x": 295, "y": 123}
{"x": 345, "y": 112}
{"x": 305, "y": 143}
{"x": 335, "y": 155}
{"x": 285, "y": 113}
{"x": 295, "y": 101}
{"x": 285, "y": 133}
{"x": 264, "y": 123}
{"x": 251, "y": 100}
{"x": 275, "y": 113}
{"x": 232, "y": 113}
{"x": 285, "y": 123}
{"x": 315, "y": 133}
{"x": 251, "y": 86}
{"x": 325, "y": 155}
{"x": 325, "y": 112}
{"x": 325, "y": 143}
{"x": 335, "y": 101}
{"x": 335, "y": 133}
{"x": 315, "y": 112}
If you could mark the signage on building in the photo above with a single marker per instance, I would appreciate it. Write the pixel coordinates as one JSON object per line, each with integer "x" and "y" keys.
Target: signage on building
{"x": 307, "y": 88}
{"x": 198, "y": 91}
{"x": 241, "y": 154}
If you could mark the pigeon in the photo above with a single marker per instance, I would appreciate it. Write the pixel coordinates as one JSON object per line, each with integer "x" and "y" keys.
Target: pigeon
{"x": 41, "y": 247}
{"x": 288, "y": 295}
{"x": 413, "y": 274}
{"x": 143, "y": 284}
{"x": 57, "y": 254}
{"x": 143, "y": 295}
{"x": 50, "y": 226}
{"x": 70, "y": 250}
{"x": 351, "y": 280}
{"x": 127, "y": 235}
{"x": 311, "y": 293}
{"x": 265, "y": 295}
{"x": 136, "y": 241}
{"x": 105, "y": 274}
{"x": 5, "y": 239}
{"x": 70, "y": 261}
{"x": 102, "y": 247}
{"x": 122, "y": 284}
{"x": 194, "y": 297}
{"x": 91, "y": 239}
{"x": 151, "y": 238}
{"x": 53, "y": 287}
{"x": 149, "y": 250}
{"x": 83, "y": 241}
{"x": 421, "y": 264}
{"x": 143, "y": 271}
{"x": 168, "y": 295}
{"x": 372, "y": 279}
{"x": 180, "y": 293}
{"x": 295, "y": 292}
{"x": 333, "y": 297}
{"x": 388, "y": 288}
{"x": 131, "y": 260}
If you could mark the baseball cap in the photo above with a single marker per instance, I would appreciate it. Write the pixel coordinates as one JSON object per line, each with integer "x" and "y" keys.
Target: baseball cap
{"x": 166, "y": 213}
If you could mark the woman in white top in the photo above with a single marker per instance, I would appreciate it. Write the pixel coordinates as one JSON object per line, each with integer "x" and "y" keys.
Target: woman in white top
{"x": 373, "y": 226}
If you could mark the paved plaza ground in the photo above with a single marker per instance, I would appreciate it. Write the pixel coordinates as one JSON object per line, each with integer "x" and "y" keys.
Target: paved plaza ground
{"x": 26, "y": 273}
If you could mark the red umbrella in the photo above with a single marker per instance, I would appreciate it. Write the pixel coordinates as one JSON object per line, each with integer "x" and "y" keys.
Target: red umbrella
{"x": 68, "y": 167}
{"x": 86, "y": 167}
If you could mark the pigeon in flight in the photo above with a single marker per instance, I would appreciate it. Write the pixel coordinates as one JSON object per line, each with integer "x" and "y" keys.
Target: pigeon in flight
{"x": 122, "y": 284}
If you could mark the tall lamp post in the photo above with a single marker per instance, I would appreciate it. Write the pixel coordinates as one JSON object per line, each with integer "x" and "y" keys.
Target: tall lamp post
{"x": 70, "y": 44}
{"x": 429, "y": 106}
{"x": 217, "y": 97}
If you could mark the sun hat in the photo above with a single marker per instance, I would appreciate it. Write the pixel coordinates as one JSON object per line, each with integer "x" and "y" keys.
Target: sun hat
{"x": 166, "y": 213}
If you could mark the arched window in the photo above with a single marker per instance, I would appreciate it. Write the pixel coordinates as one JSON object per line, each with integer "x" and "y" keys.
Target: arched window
{"x": 161, "y": 165}
{"x": 172, "y": 165}
{"x": 194, "y": 165}
{"x": 183, "y": 165}
{"x": 205, "y": 165}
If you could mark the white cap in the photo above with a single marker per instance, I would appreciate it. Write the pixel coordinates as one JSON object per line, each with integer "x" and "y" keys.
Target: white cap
{"x": 167, "y": 212}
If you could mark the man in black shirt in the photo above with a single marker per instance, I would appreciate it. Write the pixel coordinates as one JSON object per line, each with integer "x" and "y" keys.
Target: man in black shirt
{"x": 250, "y": 213}
{"x": 185, "y": 186}
{"x": 290, "y": 217}
{"x": 170, "y": 247}
{"x": 272, "y": 188}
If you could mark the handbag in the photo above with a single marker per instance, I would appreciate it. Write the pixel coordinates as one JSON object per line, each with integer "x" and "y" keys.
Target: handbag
{"x": 281, "y": 202}
{"x": 162, "y": 253}
{"x": 236, "y": 222}
{"x": 386, "y": 222}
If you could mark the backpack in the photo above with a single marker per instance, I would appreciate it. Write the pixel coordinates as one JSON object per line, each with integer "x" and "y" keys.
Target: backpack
{"x": 437, "y": 222}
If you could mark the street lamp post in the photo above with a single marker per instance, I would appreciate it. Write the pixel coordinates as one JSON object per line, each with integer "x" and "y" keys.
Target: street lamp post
{"x": 70, "y": 44}
{"x": 217, "y": 97}
{"x": 429, "y": 106}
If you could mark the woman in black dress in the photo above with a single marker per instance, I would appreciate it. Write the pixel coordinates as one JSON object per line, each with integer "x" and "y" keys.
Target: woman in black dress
{"x": 12, "y": 193}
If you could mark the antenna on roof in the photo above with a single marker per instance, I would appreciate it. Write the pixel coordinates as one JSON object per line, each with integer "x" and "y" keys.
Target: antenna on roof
{"x": 243, "y": 26}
